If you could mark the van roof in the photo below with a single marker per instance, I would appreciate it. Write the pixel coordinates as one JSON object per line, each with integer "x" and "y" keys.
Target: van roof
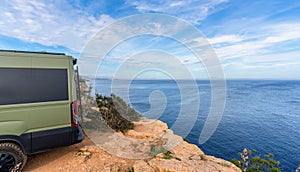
{"x": 40, "y": 52}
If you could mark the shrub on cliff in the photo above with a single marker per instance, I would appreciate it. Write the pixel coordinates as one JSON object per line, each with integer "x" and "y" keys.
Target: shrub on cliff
{"x": 124, "y": 109}
{"x": 117, "y": 114}
{"x": 250, "y": 163}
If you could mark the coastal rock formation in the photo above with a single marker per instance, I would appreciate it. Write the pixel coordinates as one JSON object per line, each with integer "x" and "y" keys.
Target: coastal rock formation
{"x": 156, "y": 148}
{"x": 179, "y": 155}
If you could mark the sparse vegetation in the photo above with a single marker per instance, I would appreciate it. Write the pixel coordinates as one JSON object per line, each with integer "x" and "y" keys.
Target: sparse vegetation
{"x": 167, "y": 155}
{"x": 111, "y": 114}
{"x": 202, "y": 156}
{"x": 156, "y": 150}
{"x": 117, "y": 114}
{"x": 225, "y": 164}
{"x": 256, "y": 163}
{"x": 185, "y": 139}
{"x": 130, "y": 170}
{"x": 125, "y": 109}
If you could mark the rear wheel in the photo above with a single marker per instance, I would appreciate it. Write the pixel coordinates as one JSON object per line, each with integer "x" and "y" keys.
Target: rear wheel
{"x": 12, "y": 158}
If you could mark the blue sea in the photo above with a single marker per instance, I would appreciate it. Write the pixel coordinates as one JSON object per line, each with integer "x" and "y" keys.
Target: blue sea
{"x": 259, "y": 114}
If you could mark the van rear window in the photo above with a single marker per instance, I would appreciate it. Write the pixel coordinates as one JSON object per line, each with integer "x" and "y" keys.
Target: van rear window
{"x": 32, "y": 85}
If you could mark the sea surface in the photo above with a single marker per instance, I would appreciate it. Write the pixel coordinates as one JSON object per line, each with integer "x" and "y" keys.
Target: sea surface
{"x": 259, "y": 114}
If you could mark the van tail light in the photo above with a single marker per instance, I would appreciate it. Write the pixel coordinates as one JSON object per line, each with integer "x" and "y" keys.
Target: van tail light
{"x": 74, "y": 114}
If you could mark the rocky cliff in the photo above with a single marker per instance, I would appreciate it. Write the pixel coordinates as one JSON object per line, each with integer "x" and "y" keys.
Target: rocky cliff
{"x": 153, "y": 147}
{"x": 176, "y": 154}
{"x": 149, "y": 146}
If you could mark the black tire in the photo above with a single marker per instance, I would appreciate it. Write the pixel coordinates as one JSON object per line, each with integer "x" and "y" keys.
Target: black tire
{"x": 12, "y": 158}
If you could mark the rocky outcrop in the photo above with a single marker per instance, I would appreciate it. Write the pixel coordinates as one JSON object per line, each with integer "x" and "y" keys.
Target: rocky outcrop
{"x": 178, "y": 156}
{"x": 155, "y": 148}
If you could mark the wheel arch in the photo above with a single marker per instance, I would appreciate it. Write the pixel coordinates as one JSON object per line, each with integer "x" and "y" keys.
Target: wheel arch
{"x": 22, "y": 142}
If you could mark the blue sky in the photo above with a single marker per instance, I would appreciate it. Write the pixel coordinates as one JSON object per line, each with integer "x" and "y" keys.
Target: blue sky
{"x": 253, "y": 39}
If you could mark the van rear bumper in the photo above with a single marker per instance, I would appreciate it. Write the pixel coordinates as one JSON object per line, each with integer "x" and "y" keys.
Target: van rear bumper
{"x": 76, "y": 135}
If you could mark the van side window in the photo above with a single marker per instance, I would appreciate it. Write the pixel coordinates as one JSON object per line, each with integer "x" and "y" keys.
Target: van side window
{"x": 22, "y": 85}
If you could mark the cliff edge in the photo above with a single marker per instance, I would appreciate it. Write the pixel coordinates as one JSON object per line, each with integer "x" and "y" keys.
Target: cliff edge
{"x": 179, "y": 156}
{"x": 168, "y": 152}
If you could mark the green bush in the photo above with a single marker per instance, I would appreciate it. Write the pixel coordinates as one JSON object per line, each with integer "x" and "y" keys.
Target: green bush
{"x": 130, "y": 170}
{"x": 110, "y": 113}
{"x": 254, "y": 163}
{"x": 156, "y": 150}
{"x": 167, "y": 155}
{"x": 186, "y": 140}
{"x": 202, "y": 156}
{"x": 124, "y": 109}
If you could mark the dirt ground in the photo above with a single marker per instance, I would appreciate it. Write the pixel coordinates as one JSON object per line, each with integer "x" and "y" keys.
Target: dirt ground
{"x": 85, "y": 156}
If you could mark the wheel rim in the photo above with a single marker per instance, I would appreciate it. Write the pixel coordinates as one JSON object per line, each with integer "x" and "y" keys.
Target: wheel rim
{"x": 7, "y": 162}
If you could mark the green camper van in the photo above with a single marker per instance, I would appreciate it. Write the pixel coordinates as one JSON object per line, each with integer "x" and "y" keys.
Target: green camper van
{"x": 38, "y": 105}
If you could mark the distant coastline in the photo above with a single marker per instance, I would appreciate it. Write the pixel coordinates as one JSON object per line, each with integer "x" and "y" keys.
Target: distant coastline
{"x": 198, "y": 79}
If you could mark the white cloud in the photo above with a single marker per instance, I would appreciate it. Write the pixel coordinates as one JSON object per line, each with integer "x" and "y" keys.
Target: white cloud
{"x": 283, "y": 32}
{"x": 260, "y": 43}
{"x": 176, "y": 4}
{"x": 269, "y": 51}
{"x": 226, "y": 39}
{"x": 278, "y": 58}
{"x": 193, "y": 11}
{"x": 51, "y": 24}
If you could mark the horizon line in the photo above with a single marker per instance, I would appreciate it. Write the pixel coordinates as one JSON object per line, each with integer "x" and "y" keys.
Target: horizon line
{"x": 204, "y": 79}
